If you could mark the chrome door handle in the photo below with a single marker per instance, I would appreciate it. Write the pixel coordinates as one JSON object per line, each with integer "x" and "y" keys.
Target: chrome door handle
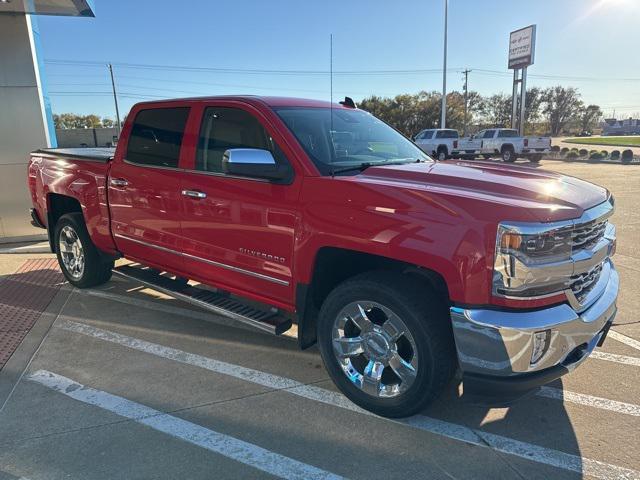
{"x": 118, "y": 182}
{"x": 194, "y": 194}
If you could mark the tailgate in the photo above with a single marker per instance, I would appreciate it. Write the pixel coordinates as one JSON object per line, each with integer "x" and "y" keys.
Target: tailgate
{"x": 538, "y": 142}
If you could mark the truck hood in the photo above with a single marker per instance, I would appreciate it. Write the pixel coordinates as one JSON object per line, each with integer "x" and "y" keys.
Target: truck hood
{"x": 545, "y": 195}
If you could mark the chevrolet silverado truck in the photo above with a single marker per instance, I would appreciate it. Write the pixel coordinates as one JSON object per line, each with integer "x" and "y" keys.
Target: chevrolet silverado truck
{"x": 440, "y": 143}
{"x": 506, "y": 143}
{"x": 409, "y": 274}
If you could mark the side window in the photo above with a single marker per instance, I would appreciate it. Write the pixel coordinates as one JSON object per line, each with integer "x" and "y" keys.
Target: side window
{"x": 156, "y": 136}
{"x": 224, "y": 128}
{"x": 489, "y": 134}
{"x": 447, "y": 134}
{"x": 508, "y": 133}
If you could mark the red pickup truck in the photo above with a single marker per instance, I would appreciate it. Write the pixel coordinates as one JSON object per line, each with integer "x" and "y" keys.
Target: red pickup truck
{"x": 407, "y": 272}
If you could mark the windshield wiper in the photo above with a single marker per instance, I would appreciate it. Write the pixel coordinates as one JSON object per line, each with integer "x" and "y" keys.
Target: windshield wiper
{"x": 361, "y": 166}
{"x": 364, "y": 165}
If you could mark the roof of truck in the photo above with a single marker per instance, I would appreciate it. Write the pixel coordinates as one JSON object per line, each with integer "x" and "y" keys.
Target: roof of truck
{"x": 267, "y": 100}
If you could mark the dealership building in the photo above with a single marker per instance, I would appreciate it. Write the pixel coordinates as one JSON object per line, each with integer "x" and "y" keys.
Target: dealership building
{"x": 26, "y": 122}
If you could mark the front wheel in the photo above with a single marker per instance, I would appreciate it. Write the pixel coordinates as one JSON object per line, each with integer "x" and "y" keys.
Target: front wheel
{"x": 386, "y": 343}
{"x": 78, "y": 257}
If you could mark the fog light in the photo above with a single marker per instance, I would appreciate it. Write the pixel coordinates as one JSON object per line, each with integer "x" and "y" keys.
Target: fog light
{"x": 540, "y": 345}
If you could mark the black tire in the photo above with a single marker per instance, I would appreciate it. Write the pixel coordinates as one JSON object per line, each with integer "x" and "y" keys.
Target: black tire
{"x": 96, "y": 270}
{"x": 426, "y": 317}
{"x": 508, "y": 155}
{"x": 535, "y": 158}
{"x": 442, "y": 153}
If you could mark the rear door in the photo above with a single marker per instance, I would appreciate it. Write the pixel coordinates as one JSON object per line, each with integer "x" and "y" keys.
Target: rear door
{"x": 425, "y": 141}
{"x": 238, "y": 232}
{"x": 144, "y": 188}
{"x": 489, "y": 144}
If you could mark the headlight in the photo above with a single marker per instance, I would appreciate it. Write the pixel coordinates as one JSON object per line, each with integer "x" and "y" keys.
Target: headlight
{"x": 532, "y": 260}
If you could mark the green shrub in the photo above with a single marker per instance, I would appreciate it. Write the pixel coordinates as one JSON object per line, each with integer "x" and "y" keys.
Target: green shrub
{"x": 627, "y": 156}
{"x": 583, "y": 152}
{"x": 596, "y": 155}
{"x": 615, "y": 155}
{"x": 572, "y": 155}
{"x": 604, "y": 153}
{"x": 555, "y": 148}
{"x": 564, "y": 151}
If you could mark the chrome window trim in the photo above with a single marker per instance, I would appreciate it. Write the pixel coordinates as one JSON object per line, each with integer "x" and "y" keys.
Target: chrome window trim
{"x": 204, "y": 260}
{"x": 150, "y": 165}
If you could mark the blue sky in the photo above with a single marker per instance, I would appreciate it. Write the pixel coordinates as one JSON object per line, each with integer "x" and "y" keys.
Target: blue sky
{"x": 590, "y": 44}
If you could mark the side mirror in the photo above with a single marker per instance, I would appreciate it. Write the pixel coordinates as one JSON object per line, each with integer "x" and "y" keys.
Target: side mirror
{"x": 254, "y": 163}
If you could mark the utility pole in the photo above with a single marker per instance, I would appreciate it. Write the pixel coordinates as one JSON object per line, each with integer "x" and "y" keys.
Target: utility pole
{"x": 466, "y": 100}
{"x": 443, "y": 117}
{"x": 115, "y": 99}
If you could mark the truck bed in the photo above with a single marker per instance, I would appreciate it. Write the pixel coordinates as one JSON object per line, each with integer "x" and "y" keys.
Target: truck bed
{"x": 99, "y": 154}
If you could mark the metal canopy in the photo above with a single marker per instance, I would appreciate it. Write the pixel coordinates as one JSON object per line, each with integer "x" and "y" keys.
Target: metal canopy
{"x": 72, "y": 8}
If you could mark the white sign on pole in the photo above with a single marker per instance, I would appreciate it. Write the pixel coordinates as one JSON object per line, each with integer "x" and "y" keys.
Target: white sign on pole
{"x": 522, "y": 47}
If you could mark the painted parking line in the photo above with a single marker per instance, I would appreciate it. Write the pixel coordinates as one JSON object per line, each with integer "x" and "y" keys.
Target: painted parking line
{"x": 590, "y": 401}
{"x": 230, "y": 447}
{"x": 453, "y": 431}
{"x": 632, "y": 342}
{"x": 612, "y": 357}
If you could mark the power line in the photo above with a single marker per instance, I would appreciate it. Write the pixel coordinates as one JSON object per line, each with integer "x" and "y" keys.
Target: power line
{"x": 482, "y": 71}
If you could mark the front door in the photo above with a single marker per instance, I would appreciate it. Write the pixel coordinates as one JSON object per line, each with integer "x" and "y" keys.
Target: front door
{"x": 238, "y": 232}
{"x": 144, "y": 189}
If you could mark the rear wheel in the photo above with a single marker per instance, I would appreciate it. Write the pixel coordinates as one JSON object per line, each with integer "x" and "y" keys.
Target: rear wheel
{"x": 508, "y": 155}
{"x": 386, "y": 343}
{"x": 79, "y": 259}
{"x": 442, "y": 153}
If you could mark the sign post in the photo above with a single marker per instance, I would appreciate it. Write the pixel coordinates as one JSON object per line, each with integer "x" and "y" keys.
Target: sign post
{"x": 522, "y": 49}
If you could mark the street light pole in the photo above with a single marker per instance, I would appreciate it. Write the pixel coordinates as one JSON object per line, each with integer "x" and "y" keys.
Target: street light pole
{"x": 115, "y": 99}
{"x": 443, "y": 117}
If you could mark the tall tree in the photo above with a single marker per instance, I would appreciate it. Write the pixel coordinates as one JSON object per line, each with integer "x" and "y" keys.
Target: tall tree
{"x": 497, "y": 110}
{"x": 560, "y": 105}
{"x": 589, "y": 117}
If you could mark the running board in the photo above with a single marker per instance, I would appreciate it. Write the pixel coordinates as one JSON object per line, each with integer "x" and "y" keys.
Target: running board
{"x": 213, "y": 301}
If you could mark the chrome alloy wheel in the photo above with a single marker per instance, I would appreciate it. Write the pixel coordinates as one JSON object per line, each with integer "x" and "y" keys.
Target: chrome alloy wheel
{"x": 375, "y": 349}
{"x": 71, "y": 252}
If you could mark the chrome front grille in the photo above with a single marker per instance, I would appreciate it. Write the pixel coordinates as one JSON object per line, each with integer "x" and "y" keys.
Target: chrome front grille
{"x": 587, "y": 234}
{"x": 582, "y": 284}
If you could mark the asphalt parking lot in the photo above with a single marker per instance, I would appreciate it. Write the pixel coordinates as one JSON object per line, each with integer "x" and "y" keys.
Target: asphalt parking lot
{"x": 123, "y": 382}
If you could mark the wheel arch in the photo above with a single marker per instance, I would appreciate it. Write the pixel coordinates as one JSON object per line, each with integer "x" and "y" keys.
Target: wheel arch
{"x": 57, "y": 206}
{"x": 333, "y": 265}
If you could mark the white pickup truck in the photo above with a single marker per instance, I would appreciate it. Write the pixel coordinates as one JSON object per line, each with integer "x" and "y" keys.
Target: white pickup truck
{"x": 439, "y": 143}
{"x": 504, "y": 142}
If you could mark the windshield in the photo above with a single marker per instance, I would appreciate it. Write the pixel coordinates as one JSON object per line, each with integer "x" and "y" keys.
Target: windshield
{"x": 347, "y": 137}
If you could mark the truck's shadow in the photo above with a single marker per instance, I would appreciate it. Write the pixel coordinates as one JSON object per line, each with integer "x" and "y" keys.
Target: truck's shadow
{"x": 537, "y": 421}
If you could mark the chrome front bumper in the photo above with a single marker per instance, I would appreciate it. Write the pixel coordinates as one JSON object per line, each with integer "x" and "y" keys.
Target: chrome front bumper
{"x": 499, "y": 343}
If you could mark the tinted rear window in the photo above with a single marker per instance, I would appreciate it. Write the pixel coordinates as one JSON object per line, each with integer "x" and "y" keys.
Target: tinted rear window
{"x": 508, "y": 133}
{"x": 156, "y": 136}
{"x": 447, "y": 134}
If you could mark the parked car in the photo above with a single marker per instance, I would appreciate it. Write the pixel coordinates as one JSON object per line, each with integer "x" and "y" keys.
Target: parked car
{"x": 440, "y": 143}
{"x": 504, "y": 142}
{"x": 275, "y": 211}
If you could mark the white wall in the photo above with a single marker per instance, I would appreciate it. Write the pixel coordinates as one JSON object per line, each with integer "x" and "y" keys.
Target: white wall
{"x": 23, "y": 124}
